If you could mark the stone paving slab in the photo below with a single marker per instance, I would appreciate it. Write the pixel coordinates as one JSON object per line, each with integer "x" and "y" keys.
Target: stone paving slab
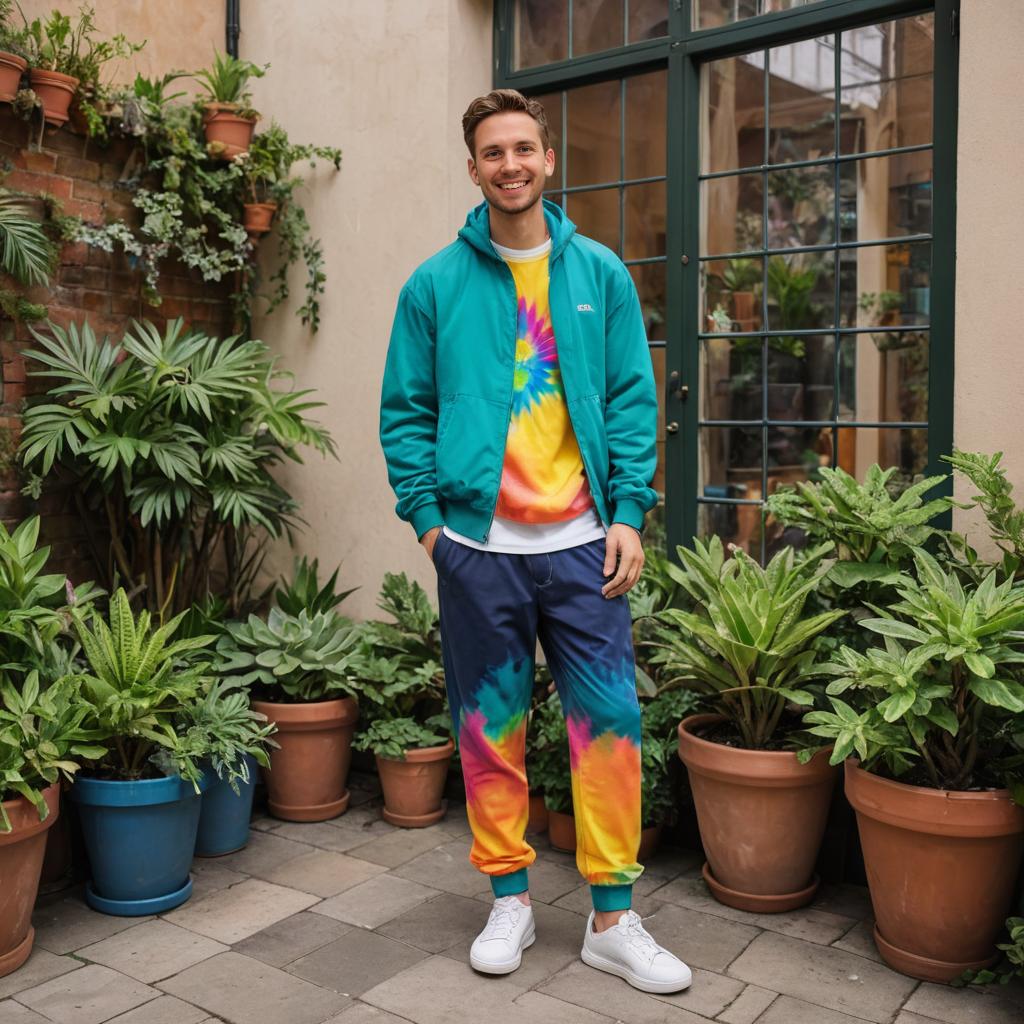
{"x": 291, "y": 938}
{"x": 996, "y": 1005}
{"x": 363, "y": 1013}
{"x": 89, "y": 996}
{"x": 447, "y": 867}
{"x": 860, "y": 939}
{"x": 68, "y": 924}
{"x": 152, "y": 951}
{"x": 12, "y": 1012}
{"x": 787, "y": 1010}
{"x": 357, "y": 961}
{"x": 210, "y": 874}
{"x": 824, "y": 976}
{"x": 265, "y": 852}
{"x": 42, "y": 965}
{"x": 394, "y": 848}
{"x": 699, "y": 939}
{"x": 163, "y": 1010}
{"x": 376, "y": 901}
{"x": 438, "y": 924}
{"x": 325, "y": 835}
{"x": 242, "y": 990}
{"x": 748, "y": 1006}
{"x": 322, "y": 873}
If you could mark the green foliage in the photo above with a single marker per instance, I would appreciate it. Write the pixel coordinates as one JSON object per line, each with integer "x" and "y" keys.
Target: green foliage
{"x": 749, "y": 647}
{"x": 1005, "y": 520}
{"x": 943, "y": 692}
{"x": 140, "y": 683}
{"x": 392, "y": 737}
{"x": 26, "y": 253}
{"x": 227, "y": 79}
{"x": 42, "y": 737}
{"x": 660, "y": 716}
{"x": 293, "y": 657}
{"x": 304, "y": 592}
{"x": 169, "y": 442}
{"x": 1012, "y": 963}
{"x": 548, "y": 764}
{"x": 221, "y": 727}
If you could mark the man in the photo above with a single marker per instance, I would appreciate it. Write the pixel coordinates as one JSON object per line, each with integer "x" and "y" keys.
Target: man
{"x": 518, "y": 421}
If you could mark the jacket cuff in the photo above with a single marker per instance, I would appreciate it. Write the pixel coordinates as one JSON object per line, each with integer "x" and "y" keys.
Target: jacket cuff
{"x": 631, "y": 513}
{"x": 426, "y": 517}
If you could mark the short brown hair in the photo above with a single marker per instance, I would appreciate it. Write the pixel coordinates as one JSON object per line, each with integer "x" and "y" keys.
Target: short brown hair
{"x": 503, "y": 101}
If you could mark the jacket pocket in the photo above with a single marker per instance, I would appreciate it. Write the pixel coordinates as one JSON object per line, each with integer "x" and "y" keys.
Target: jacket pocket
{"x": 470, "y": 449}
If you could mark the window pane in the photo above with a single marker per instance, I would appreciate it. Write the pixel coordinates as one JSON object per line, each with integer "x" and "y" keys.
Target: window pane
{"x": 648, "y": 19}
{"x": 801, "y": 96}
{"x": 886, "y": 196}
{"x": 861, "y": 447}
{"x": 542, "y": 32}
{"x": 885, "y": 285}
{"x": 644, "y": 221}
{"x": 731, "y": 295}
{"x": 646, "y": 125}
{"x": 801, "y": 207}
{"x": 731, "y": 383}
{"x": 597, "y": 25}
{"x": 795, "y": 452}
{"x": 710, "y": 13}
{"x": 594, "y": 134}
{"x": 732, "y": 113}
{"x": 735, "y": 524}
{"x": 730, "y": 462}
{"x": 886, "y": 99}
{"x": 596, "y": 214}
{"x": 649, "y": 279}
{"x": 801, "y": 291}
{"x": 801, "y": 377}
{"x": 883, "y": 377}
{"x": 732, "y": 213}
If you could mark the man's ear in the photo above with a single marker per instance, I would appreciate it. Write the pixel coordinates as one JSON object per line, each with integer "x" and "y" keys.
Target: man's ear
{"x": 549, "y": 163}
{"x": 473, "y": 174}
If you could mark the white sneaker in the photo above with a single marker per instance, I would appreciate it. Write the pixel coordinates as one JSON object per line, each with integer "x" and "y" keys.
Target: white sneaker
{"x": 498, "y": 949}
{"x": 628, "y": 951}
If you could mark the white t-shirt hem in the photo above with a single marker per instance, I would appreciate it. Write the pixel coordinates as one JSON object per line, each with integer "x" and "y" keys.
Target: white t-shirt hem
{"x": 507, "y": 537}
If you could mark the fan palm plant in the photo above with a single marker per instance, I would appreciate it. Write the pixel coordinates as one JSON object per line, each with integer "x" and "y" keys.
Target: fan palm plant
{"x": 168, "y": 441}
{"x": 25, "y": 251}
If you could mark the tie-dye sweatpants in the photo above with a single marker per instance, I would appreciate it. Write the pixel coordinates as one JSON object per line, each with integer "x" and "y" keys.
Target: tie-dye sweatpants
{"x": 493, "y": 609}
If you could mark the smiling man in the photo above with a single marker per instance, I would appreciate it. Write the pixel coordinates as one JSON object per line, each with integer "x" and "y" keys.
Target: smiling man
{"x": 518, "y": 421}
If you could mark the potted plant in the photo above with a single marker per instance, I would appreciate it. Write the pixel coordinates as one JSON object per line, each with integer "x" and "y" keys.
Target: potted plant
{"x": 42, "y": 739}
{"x": 231, "y": 739}
{"x": 543, "y": 686}
{"x": 549, "y": 770}
{"x": 228, "y": 119}
{"x": 931, "y": 750}
{"x": 301, "y": 670}
{"x": 139, "y": 801}
{"x": 12, "y": 54}
{"x": 408, "y": 726}
{"x": 749, "y": 648}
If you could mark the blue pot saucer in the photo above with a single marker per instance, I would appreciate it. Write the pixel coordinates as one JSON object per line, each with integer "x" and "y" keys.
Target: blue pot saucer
{"x": 137, "y": 908}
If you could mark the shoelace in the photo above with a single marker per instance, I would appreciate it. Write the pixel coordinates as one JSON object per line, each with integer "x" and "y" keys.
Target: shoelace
{"x": 503, "y": 919}
{"x": 638, "y": 937}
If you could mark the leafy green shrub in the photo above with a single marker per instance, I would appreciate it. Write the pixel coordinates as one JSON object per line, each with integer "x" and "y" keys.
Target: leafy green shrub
{"x": 227, "y": 79}
{"x": 660, "y": 716}
{"x": 1012, "y": 963}
{"x": 748, "y": 647}
{"x": 292, "y": 658}
{"x": 167, "y": 443}
{"x": 304, "y": 593}
{"x": 548, "y": 764}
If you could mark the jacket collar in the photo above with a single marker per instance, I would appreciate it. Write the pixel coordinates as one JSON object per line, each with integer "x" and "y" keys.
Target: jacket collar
{"x": 477, "y": 229}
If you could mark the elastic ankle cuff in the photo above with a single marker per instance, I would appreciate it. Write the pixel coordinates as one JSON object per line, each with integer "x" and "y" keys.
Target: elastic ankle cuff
{"x": 611, "y": 897}
{"x": 511, "y": 884}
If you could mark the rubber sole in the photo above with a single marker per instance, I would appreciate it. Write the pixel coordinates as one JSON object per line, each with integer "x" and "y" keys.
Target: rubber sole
{"x": 509, "y": 965}
{"x": 610, "y": 967}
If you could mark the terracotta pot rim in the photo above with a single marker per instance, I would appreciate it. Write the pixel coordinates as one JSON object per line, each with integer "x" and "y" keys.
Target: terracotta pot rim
{"x": 316, "y": 714}
{"x": 6, "y": 57}
{"x": 224, "y": 112}
{"x": 939, "y": 812}
{"x": 20, "y": 832}
{"x": 759, "y": 768}
{"x": 261, "y": 206}
{"x": 418, "y": 755}
{"x": 53, "y": 78}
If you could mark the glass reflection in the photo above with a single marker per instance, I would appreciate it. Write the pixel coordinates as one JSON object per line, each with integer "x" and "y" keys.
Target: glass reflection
{"x": 886, "y": 196}
{"x": 883, "y": 377}
{"x": 594, "y": 134}
{"x": 732, "y": 113}
{"x": 596, "y": 25}
{"x": 732, "y": 213}
{"x": 541, "y": 32}
{"x": 801, "y": 100}
{"x": 731, "y": 295}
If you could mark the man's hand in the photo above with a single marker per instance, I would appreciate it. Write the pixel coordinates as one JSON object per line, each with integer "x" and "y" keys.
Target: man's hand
{"x": 429, "y": 539}
{"x": 622, "y": 546}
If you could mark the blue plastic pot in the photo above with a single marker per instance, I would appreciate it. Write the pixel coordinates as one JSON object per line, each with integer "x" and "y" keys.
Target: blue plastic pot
{"x": 224, "y": 819}
{"x": 139, "y": 837}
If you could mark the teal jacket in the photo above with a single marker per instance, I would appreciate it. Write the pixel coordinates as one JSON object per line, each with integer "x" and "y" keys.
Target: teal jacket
{"x": 447, "y": 394}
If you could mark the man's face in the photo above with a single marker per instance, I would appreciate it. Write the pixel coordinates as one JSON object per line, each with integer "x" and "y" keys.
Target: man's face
{"x": 511, "y": 166}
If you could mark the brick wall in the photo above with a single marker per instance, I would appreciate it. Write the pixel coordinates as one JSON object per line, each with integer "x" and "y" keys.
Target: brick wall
{"x": 89, "y": 284}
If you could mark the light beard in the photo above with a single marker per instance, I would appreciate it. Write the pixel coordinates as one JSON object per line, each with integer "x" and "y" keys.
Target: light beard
{"x": 521, "y": 209}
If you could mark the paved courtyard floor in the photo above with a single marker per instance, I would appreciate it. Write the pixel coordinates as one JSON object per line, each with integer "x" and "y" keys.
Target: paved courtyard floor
{"x": 356, "y": 922}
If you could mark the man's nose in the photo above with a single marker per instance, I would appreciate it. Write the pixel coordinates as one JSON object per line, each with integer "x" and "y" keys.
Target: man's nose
{"x": 510, "y": 163}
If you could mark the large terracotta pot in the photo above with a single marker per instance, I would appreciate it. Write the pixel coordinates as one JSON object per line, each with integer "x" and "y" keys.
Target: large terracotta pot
{"x": 537, "y": 821}
{"x": 941, "y": 869}
{"x": 562, "y": 831}
{"x": 12, "y": 67}
{"x": 227, "y": 134}
{"x": 649, "y": 839}
{"x": 309, "y": 768}
{"x": 762, "y": 816}
{"x": 55, "y": 92}
{"x": 414, "y": 785}
{"x": 21, "y": 860}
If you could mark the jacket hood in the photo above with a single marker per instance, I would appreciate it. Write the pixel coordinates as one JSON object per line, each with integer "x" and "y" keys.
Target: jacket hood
{"x": 477, "y": 229}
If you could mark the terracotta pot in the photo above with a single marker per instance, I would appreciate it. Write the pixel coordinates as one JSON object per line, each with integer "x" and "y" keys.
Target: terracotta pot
{"x": 256, "y": 218}
{"x": 414, "y": 786}
{"x": 941, "y": 867}
{"x": 306, "y": 780}
{"x": 649, "y": 839}
{"x": 762, "y": 816}
{"x": 55, "y": 92}
{"x": 227, "y": 134}
{"x": 12, "y": 67}
{"x": 21, "y": 860}
{"x": 562, "y": 831}
{"x": 538, "y": 819}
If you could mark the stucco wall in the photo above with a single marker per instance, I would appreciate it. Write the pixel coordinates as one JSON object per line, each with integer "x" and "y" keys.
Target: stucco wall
{"x": 989, "y": 367}
{"x": 387, "y": 82}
